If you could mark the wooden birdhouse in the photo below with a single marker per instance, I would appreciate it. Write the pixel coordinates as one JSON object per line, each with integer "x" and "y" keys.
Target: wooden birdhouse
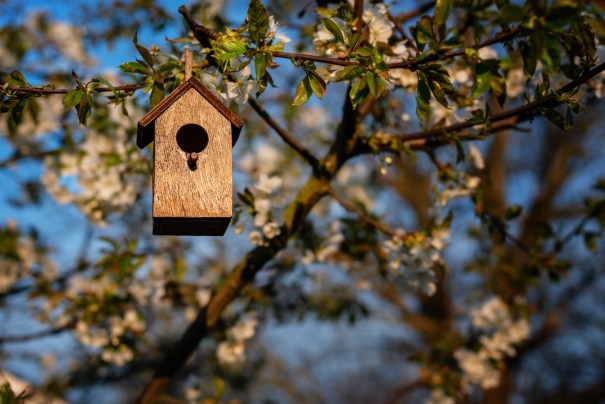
{"x": 192, "y": 175}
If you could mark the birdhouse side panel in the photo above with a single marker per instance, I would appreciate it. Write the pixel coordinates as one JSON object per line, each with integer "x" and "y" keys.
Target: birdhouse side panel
{"x": 204, "y": 191}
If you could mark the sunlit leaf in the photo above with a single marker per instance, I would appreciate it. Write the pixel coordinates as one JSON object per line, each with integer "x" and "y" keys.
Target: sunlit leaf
{"x": 258, "y": 20}
{"x": 158, "y": 92}
{"x": 145, "y": 54}
{"x": 335, "y": 29}
{"x": 303, "y": 92}
{"x": 72, "y": 98}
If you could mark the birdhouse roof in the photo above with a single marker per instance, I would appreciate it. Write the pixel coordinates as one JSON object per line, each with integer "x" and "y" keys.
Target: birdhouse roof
{"x": 146, "y": 127}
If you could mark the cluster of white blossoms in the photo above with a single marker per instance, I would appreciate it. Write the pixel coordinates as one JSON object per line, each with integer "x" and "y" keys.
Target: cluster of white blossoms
{"x": 18, "y": 263}
{"x": 329, "y": 247}
{"x": 97, "y": 176}
{"x": 109, "y": 338}
{"x": 263, "y": 220}
{"x": 500, "y": 333}
{"x": 461, "y": 183}
{"x": 241, "y": 85}
{"x": 379, "y": 26}
{"x": 412, "y": 258}
{"x": 232, "y": 351}
{"x": 268, "y": 189}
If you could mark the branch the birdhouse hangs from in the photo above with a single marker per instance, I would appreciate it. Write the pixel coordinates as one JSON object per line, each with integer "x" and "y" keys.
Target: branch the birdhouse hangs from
{"x": 192, "y": 175}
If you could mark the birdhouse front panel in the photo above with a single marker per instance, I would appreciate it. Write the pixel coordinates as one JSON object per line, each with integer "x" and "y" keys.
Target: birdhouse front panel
{"x": 192, "y": 184}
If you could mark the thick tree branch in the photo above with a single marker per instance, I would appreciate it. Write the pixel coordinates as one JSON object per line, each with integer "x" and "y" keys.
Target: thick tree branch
{"x": 316, "y": 187}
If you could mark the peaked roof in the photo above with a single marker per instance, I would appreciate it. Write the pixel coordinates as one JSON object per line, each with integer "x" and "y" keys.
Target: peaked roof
{"x": 146, "y": 127}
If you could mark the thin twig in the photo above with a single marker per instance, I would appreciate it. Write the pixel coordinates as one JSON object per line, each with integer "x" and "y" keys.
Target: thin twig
{"x": 288, "y": 138}
{"x": 363, "y": 216}
{"x": 423, "y": 8}
{"x": 35, "y": 335}
{"x": 401, "y": 30}
{"x": 358, "y": 10}
{"x": 519, "y": 112}
{"x": 35, "y": 90}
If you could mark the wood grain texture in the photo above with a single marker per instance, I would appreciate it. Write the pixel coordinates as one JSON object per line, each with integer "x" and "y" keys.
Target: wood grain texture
{"x": 178, "y": 191}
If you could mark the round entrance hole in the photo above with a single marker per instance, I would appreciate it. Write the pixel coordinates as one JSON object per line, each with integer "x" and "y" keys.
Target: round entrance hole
{"x": 192, "y": 138}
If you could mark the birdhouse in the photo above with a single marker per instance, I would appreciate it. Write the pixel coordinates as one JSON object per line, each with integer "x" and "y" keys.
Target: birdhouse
{"x": 192, "y": 174}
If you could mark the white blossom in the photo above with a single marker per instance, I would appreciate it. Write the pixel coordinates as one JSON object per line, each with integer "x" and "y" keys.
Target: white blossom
{"x": 476, "y": 157}
{"x": 439, "y": 397}
{"x": 487, "y": 52}
{"x": 271, "y": 230}
{"x": 477, "y": 369}
{"x": 231, "y": 353}
{"x": 268, "y": 184}
{"x": 274, "y": 31}
{"x": 117, "y": 356}
{"x": 255, "y": 237}
{"x": 492, "y": 314}
{"x": 245, "y": 328}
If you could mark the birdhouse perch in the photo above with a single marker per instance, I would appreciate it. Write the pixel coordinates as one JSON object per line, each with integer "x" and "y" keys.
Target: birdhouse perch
{"x": 192, "y": 175}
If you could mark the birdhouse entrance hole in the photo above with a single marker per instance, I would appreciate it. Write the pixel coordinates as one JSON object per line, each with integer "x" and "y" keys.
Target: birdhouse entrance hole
{"x": 192, "y": 138}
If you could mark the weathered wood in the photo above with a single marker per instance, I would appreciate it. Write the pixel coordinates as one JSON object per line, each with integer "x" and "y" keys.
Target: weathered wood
{"x": 192, "y": 181}
{"x": 188, "y": 63}
{"x": 180, "y": 193}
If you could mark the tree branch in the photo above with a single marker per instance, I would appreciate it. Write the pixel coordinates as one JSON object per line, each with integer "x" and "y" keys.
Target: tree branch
{"x": 421, "y": 9}
{"x": 363, "y": 216}
{"x": 40, "y": 334}
{"x": 520, "y": 113}
{"x": 288, "y": 138}
{"x": 316, "y": 187}
{"x": 43, "y": 91}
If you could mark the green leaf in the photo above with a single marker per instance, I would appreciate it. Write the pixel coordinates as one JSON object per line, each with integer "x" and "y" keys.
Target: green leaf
{"x": 511, "y": 13}
{"x": 7, "y": 395}
{"x": 442, "y": 12}
{"x": 438, "y": 92}
{"x": 164, "y": 67}
{"x": 259, "y": 21}
{"x": 423, "y": 31}
{"x": 483, "y": 79}
{"x": 359, "y": 92}
{"x": 260, "y": 63}
{"x": 233, "y": 45}
{"x": 409, "y": 153}
{"x": 555, "y": 117}
{"x": 76, "y": 78}
{"x": 371, "y": 80}
{"x": 348, "y": 73}
{"x": 133, "y": 67}
{"x": 318, "y": 85}
{"x": 335, "y": 29}
{"x": 513, "y": 212}
{"x": 106, "y": 84}
{"x": 17, "y": 110}
{"x": 72, "y": 98}
{"x": 84, "y": 109}
{"x": 16, "y": 78}
{"x": 423, "y": 99}
{"x": 145, "y": 54}
{"x": 303, "y": 92}
{"x": 158, "y": 92}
